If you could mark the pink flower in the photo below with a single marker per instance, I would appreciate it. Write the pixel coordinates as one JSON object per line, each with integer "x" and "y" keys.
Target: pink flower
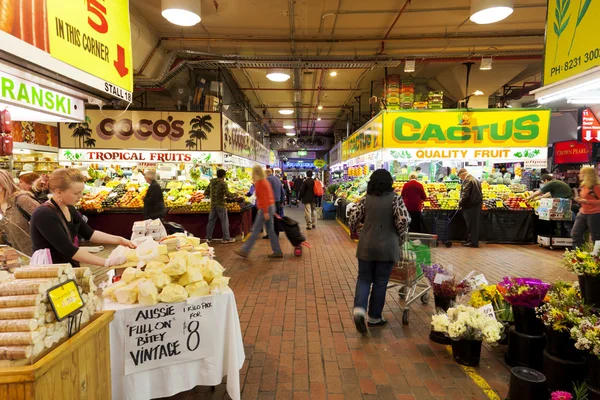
{"x": 559, "y": 395}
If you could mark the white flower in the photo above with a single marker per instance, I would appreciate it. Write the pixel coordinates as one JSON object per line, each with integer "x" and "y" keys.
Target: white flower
{"x": 440, "y": 323}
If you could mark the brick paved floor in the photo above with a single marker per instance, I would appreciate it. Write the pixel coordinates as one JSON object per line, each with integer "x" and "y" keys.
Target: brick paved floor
{"x": 301, "y": 343}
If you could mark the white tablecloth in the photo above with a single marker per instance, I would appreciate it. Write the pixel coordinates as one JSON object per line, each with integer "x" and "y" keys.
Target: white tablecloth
{"x": 168, "y": 381}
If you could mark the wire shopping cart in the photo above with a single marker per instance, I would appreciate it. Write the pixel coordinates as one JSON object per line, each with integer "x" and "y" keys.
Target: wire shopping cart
{"x": 441, "y": 226}
{"x": 418, "y": 250}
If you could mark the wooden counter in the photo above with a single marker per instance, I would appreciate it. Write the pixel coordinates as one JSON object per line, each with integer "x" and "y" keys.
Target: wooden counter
{"x": 78, "y": 369}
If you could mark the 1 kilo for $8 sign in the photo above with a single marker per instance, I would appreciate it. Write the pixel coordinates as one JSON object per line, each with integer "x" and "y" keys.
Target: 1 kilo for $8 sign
{"x": 94, "y": 36}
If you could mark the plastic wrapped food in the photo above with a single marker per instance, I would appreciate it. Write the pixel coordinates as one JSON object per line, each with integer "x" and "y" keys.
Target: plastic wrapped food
{"x": 211, "y": 269}
{"x": 132, "y": 256}
{"x": 190, "y": 276}
{"x": 147, "y": 293}
{"x": 130, "y": 274}
{"x": 194, "y": 259}
{"x": 194, "y": 241}
{"x": 175, "y": 267}
{"x": 197, "y": 289}
{"x": 158, "y": 278}
{"x": 21, "y": 338}
{"x": 163, "y": 258}
{"x": 163, "y": 249}
{"x": 173, "y": 293}
{"x": 22, "y": 312}
{"x": 19, "y": 325}
{"x": 26, "y": 286}
{"x": 128, "y": 294}
{"x": 82, "y": 272}
{"x": 219, "y": 285}
{"x": 26, "y": 300}
{"x": 38, "y": 272}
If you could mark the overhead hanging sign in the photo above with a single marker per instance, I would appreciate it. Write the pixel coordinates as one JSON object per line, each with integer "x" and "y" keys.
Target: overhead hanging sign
{"x": 367, "y": 139}
{"x": 91, "y": 35}
{"x": 466, "y": 129}
{"x": 494, "y": 154}
{"x": 571, "y": 39}
{"x": 144, "y": 130}
{"x": 572, "y": 152}
{"x": 139, "y": 156}
{"x": 590, "y": 127}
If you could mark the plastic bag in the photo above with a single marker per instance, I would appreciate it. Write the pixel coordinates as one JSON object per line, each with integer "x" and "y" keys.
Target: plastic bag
{"x": 219, "y": 285}
{"x": 41, "y": 257}
{"x": 147, "y": 250}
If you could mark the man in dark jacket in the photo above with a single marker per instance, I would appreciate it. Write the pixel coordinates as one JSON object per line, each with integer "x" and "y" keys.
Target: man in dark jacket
{"x": 307, "y": 195}
{"x": 154, "y": 203}
{"x": 471, "y": 200}
{"x": 297, "y": 186}
{"x": 218, "y": 192}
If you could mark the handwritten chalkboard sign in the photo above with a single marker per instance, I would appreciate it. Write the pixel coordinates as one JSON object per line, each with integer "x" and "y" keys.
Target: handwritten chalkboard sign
{"x": 167, "y": 334}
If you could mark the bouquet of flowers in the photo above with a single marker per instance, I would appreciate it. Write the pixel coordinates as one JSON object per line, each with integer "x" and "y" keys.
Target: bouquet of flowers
{"x": 587, "y": 335}
{"x": 563, "y": 308}
{"x": 490, "y": 294}
{"x": 448, "y": 288}
{"x": 525, "y": 292}
{"x": 467, "y": 323}
{"x": 581, "y": 261}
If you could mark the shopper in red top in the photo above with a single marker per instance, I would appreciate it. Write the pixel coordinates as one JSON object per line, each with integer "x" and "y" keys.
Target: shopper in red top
{"x": 588, "y": 218}
{"x": 265, "y": 203}
{"x": 413, "y": 195}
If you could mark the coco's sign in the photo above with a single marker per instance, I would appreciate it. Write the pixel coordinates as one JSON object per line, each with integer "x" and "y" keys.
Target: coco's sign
{"x": 143, "y": 129}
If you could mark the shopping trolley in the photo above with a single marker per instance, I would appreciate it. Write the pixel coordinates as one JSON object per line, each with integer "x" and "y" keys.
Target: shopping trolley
{"x": 417, "y": 250}
{"x": 441, "y": 226}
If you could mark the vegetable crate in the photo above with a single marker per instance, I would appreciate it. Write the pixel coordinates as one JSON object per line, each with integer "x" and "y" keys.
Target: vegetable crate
{"x": 417, "y": 250}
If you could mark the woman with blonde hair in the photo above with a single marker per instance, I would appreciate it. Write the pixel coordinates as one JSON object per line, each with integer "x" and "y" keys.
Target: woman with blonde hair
{"x": 56, "y": 224}
{"x": 265, "y": 203}
{"x": 588, "y": 218}
{"x": 16, "y": 206}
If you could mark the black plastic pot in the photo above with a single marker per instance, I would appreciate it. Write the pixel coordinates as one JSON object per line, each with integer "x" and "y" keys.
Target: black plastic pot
{"x": 527, "y": 384}
{"x": 593, "y": 375}
{"x": 560, "y": 345}
{"x": 439, "y": 337}
{"x": 443, "y": 303}
{"x": 525, "y": 350}
{"x": 562, "y": 374}
{"x": 593, "y": 393}
{"x": 504, "y": 340}
{"x": 526, "y": 322}
{"x": 590, "y": 290}
{"x": 467, "y": 352}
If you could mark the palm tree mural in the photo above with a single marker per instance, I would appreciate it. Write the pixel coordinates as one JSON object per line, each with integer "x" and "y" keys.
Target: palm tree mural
{"x": 90, "y": 142}
{"x": 82, "y": 132}
{"x": 201, "y": 127}
{"x": 191, "y": 144}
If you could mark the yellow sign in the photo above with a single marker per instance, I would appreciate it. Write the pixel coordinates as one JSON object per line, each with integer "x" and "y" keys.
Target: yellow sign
{"x": 94, "y": 36}
{"x": 466, "y": 129}
{"x": 522, "y": 204}
{"x": 571, "y": 39}
{"x": 65, "y": 299}
{"x": 366, "y": 140}
{"x": 319, "y": 163}
{"x": 138, "y": 130}
{"x": 499, "y": 204}
{"x": 427, "y": 203}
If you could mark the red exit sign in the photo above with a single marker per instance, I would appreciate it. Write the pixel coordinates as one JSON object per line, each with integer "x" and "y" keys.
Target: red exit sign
{"x": 590, "y": 127}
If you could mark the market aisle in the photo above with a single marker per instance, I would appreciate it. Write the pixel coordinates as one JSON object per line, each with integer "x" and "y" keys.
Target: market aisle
{"x": 301, "y": 342}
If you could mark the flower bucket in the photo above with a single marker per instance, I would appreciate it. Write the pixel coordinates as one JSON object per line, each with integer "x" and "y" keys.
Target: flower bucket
{"x": 590, "y": 290}
{"x": 439, "y": 337}
{"x": 593, "y": 375}
{"x": 527, "y": 384}
{"x": 467, "y": 352}
{"x": 526, "y": 321}
{"x": 559, "y": 344}
{"x": 525, "y": 350}
{"x": 443, "y": 303}
{"x": 562, "y": 374}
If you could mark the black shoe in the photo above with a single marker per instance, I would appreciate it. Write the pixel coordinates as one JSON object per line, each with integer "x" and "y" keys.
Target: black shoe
{"x": 266, "y": 237}
{"x": 308, "y": 228}
{"x": 380, "y": 323}
{"x": 475, "y": 246}
{"x": 464, "y": 242}
{"x": 359, "y": 322}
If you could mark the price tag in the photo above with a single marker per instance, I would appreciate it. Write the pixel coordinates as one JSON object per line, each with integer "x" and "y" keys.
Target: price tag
{"x": 427, "y": 203}
{"x": 522, "y": 204}
{"x": 65, "y": 299}
{"x": 488, "y": 310}
{"x": 440, "y": 195}
{"x": 499, "y": 204}
{"x": 440, "y": 278}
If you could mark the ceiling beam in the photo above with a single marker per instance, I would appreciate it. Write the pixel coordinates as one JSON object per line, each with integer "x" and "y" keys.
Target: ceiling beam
{"x": 302, "y": 89}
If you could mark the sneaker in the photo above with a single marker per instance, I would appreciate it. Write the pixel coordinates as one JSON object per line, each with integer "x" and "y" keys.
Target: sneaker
{"x": 225, "y": 241}
{"x": 276, "y": 255}
{"x": 381, "y": 322}
{"x": 266, "y": 237}
{"x": 241, "y": 253}
{"x": 308, "y": 228}
{"x": 208, "y": 241}
{"x": 359, "y": 321}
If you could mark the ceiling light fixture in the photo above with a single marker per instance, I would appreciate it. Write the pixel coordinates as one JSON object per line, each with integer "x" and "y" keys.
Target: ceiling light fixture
{"x": 318, "y": 119}
{"x": 490, "y": 11}
{"x": 288, "y": 125}
{"x": 278, "y": 75}
{"x": 320, "y": 107}
{"x": 333, "y": 73}
{"x": 290, "y": 134}
{"x": 584, "y": 100}
{"x": 181, "y": 12}
{"x": 286, "y": 112}
{"x": 486, "y": 64}
{"x": 409, "y": 66}
{"x": 478, "y": 93}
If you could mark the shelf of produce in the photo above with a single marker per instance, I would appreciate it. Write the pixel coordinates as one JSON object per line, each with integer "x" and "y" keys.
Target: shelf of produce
{"x": 77, "y": 369}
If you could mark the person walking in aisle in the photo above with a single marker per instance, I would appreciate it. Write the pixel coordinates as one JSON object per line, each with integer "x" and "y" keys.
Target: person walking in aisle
{"x": 265, "y": 202}
{"x": 319, "y": 192}
{"x": 588, "y": 218}
{"x": 413, "y": 195}
{"x": 385, "y": 222}
{"x": 218, "y": 192}
{"x": 307, "y": 195}
{"x": 471, "y": 200}
{"x": 287, "y": 189}
{"x": 297, "y": 186}
{"x": 154, "y": 203}
{"x": 278, "y": 194}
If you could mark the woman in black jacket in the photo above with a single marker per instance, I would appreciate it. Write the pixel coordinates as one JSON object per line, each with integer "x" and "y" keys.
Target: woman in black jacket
{"x": 154, "y": 203}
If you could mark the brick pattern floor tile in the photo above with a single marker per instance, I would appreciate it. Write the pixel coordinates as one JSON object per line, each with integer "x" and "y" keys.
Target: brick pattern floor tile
{"x": 301, "y": 342}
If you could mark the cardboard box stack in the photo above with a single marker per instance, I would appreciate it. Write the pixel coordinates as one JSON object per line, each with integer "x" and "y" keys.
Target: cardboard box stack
{"x": 555, "y": 210}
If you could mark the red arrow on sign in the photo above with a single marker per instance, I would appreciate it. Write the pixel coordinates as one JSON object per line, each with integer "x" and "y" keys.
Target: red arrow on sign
{"x": 119, "y": 63}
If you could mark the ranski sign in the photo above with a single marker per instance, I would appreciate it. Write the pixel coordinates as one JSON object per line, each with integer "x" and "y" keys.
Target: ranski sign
{"x": 466, "y": 129}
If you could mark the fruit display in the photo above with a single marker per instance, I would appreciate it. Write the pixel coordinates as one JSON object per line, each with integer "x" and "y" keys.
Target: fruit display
{"x": 234, "y": 207}
{"x": 132, "y": 199}
{"x": 202, "y": 206}
{"x": 358, "y": 171}
{"x": 114, "y": 196}
{"x": 93, "y": 201}
{"x": 197, "y": 197}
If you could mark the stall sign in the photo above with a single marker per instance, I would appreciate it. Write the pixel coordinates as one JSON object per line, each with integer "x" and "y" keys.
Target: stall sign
{"x": 150, "y": 130}
{"x": 299, "y": 165}
{"x": 272, "y": 157}
{"x": 30, "y": 96}
{"x": 167, "y": 334}
{"x": 369, "y": 158}
{"x": 590, "y": 127}
{"x": 319, "y": 163}
{"x": 235, "y": 160}
{"x": 535, "y": 164}
{"x": 466, "y": 129}
{"x": 335, "y": 154}
{"x": 237, "y": 141}
{"x": 572, "y": 152}
{"x": 65, "y": 299}
{"x": 93, "y": 36}
{"x": 261, "y": 153}
{"x": 571, "y": 39}
{"x": 367, "y": 139}
{"x": 494, "y": 154}
{"x": 139, "y": 156}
